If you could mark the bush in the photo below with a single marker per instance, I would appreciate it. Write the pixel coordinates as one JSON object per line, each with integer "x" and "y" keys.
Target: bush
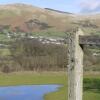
{"x": 91, "y": 84}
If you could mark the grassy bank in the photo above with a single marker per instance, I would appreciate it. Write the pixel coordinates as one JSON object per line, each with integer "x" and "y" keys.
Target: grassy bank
{"x": 28, "y": 78}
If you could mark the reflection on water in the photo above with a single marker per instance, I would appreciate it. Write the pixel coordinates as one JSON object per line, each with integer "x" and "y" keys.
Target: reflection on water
{"x": 30, "y": 92}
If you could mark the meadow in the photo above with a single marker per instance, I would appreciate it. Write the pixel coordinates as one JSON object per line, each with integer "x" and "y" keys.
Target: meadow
{"x": 30, "y": 78}
{"x": 46, "y": 57}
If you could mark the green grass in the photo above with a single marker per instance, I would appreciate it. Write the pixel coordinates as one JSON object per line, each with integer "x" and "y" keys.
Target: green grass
{"x": 3, "y": 37}
{"x": 52, "y": 34}
{"x": 62, "y": 93}
{"x": 4, "y": 52}
{"x": 25, "y": 78}
{"x": 91, "y": 96}
{"x": 29, "y": 78}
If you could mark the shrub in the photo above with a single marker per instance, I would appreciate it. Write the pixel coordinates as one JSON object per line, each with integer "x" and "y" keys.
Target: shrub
{"x": 91, "y": 84}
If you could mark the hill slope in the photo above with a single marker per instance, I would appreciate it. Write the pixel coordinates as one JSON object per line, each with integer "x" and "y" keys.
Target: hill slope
{"x": 27, "y": 18}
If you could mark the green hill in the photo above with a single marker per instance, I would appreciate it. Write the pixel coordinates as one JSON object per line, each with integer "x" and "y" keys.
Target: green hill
{"x": 27, "y": 18}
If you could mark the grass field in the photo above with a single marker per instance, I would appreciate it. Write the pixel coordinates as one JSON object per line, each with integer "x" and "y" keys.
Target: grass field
{"x": 28, "y": 78}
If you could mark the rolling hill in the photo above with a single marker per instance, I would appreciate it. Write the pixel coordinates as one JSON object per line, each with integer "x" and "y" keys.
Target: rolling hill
{"x": 28, "y": 18}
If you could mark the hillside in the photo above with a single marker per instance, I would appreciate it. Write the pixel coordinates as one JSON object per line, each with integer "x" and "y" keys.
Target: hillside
{"x": 44, "y": 28}
{"x": 27, "y": 18}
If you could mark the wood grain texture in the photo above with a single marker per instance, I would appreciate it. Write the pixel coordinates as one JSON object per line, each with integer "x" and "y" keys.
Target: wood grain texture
{"x": 75, "y": 67}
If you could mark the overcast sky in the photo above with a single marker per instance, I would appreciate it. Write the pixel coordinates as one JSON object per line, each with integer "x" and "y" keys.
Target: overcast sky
{"x": 74, "y": 6}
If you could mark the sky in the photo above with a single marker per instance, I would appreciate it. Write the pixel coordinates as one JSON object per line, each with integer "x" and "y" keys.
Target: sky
{"x": 74, "y": 6}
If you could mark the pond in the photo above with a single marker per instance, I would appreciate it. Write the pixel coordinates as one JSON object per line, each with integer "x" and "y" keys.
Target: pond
{"x": 26, "y": 92}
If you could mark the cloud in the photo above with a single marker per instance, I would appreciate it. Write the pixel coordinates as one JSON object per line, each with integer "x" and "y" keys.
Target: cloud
{"x": 90, "y": 6}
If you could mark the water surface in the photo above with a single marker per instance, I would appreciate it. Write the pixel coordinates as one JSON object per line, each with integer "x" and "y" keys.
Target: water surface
{"x": 26, "y": 92}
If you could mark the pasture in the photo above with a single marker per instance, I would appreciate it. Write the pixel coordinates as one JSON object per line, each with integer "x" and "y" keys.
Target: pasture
{"x": 30, "y": 78}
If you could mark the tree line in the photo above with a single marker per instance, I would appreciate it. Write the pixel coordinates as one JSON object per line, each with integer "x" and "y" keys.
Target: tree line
{"x": 28, "y": 54}
{"x": 31, "y": 54}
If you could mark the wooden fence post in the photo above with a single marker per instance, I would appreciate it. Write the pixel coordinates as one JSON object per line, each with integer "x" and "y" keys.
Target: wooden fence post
{"x": 75, "y": 67}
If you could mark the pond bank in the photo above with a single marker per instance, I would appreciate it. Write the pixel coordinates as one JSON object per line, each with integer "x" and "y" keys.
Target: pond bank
{"x": 31, "y": 78}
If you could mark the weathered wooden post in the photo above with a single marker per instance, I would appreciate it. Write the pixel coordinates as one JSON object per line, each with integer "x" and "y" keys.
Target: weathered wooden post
{"x": 75, "y": 66}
